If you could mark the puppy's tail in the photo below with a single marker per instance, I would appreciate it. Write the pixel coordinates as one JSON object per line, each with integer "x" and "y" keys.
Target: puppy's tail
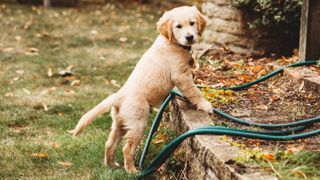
{"x": 99, "y": 109}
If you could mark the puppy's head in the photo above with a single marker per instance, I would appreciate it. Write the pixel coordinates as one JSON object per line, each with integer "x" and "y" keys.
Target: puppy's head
{"x": 182, "y": 25}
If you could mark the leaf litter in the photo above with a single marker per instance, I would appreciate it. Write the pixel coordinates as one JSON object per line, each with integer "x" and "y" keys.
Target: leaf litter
{"x": 277, "y": 100}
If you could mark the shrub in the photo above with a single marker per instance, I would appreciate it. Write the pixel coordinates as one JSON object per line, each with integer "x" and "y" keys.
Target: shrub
{"x": 280, "y": 16}
{"x": 270, "y": 12}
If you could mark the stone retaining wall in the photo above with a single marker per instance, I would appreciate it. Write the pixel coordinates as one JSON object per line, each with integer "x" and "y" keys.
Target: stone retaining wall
{"x": 227, "y": 26}
{"x": 208, "y": 157}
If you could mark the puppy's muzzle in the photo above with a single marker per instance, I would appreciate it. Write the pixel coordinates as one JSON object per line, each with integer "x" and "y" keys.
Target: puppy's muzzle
{"x": 190, "y": 38}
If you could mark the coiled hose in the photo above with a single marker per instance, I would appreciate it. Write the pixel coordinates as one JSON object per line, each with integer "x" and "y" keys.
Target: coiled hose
{"x": 275, "y": 135}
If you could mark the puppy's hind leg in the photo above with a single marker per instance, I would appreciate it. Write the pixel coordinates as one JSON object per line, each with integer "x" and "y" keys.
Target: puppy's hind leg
{"x": 133, "y": 139}
{"x": 135, "y": 118}
{"x": 113, "y": 139}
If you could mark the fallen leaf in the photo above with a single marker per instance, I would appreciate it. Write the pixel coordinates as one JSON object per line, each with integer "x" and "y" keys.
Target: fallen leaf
{"x": 18, "y": 38}
{"x": 32, "y": 52}
{"x": 115, "y": 83}
{"x": 26, "y": 91}
{"x": 48, "y": 90}
{"x": 292, "y": 148}
{"x": 123, "y": 39}
{"x": 75, "y": 83}
{"x": 9, "y": 94}
{"x": 49, "y": 72}
{"x": 15, "y": 79}
{"x": 116, "y": 164}
{"x": 65, "y": 164}
{"x": 45, "y": 107}
{"x": 70, "y": 91}
{"x": 8, "y": 49}
{"x": 42, "y": 155}
{"x": 94, "y": 32}
{"x": 55, "y": 145}
{"x": 257, "y": 69}
{"x": 262, "y": 107}
{"x": 298, "y": 173}
{"x": 301, "y": 86}
{"x": 70, "y": 67}
{"x": 160, "y": 138}
{"x": 269, "y": 157}
{"x": 20, "y": 72}
{"x": 275, "y": 98}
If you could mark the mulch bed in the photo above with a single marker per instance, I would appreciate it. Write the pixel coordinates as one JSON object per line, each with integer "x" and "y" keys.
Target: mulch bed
{"x": 277, "y": 100}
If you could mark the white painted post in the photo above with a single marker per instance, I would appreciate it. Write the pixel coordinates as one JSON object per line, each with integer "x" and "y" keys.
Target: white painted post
{"x": 46, "y": 3}
{"x": 310, "y": 30}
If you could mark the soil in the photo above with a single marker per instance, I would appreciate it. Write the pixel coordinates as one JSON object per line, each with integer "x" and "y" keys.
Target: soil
{"x": 277, "y": 100}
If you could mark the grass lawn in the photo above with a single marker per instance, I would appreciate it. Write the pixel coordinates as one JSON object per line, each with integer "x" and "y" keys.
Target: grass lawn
{"x": 100, "y": 45}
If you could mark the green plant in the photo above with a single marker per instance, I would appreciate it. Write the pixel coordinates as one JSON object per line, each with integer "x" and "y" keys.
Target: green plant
{"x": 269, "y": 12}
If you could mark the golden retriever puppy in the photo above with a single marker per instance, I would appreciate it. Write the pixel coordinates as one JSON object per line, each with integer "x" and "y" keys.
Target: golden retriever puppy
{"x": 164, "y": 66}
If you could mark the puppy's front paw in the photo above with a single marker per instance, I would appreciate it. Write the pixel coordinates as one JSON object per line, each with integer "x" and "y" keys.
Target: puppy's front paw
{"x": 205, "y": 106}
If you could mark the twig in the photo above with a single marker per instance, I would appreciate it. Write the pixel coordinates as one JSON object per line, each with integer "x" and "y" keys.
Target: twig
{"x": 273, "y": 169}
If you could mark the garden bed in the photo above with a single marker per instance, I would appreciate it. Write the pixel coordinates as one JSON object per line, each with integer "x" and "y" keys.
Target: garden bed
{"x": 283, "y": 98}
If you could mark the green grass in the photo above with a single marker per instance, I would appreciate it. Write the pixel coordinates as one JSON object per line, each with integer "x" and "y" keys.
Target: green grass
{"x": 87, "y": 38}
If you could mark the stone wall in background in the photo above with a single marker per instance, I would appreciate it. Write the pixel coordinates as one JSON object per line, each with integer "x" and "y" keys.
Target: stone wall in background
{"x": 227, "y": 26}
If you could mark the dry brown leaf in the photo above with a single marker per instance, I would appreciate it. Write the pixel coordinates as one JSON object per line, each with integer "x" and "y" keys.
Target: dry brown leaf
{"x": 15, "y": 78}
{"x": 292, "y": 148}
{"x": 26, "y": 91}
{"x": 55, "y": 145}
{"x": 49, "y": 72}
{"x": 70, "y": 67}
{"x": 160, "y": 139}
{"x": 94, "y": 32}
{"x": 8, "y": 49}
{"x": 18, "y": 38}
{"x": 75, "y": 83}
{"x": 301, "y": 86}
{"x": 115, "y": 83}
{"x": 9, "y": 94}
{"x": 257, "y": 69}
{"x": 275, "y": 98}
{"x": 48, "y": 90}
{"x": 65, "y": 164}
{"x": 262, "y": 107}
{"x": 20, "y": 72}
{"x": 32, "y": 52}
{"x": 45, "y": 107}
{"x": 123, "y": 39}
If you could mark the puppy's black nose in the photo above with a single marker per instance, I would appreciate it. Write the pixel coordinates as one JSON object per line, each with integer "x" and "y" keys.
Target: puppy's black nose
{"x": 190, "y": 38}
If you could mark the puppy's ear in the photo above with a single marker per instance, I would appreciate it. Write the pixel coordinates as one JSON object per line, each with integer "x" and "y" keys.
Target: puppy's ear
{"x": 164, "y": 27}
{"x": 202, "y": 22}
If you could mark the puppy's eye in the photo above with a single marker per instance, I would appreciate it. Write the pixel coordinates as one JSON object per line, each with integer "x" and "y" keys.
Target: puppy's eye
{"x": 179, "y": 26}
{"x": 192, "y": 23}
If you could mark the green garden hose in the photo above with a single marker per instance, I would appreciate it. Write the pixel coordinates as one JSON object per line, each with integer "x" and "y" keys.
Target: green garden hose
{"x": 278, "y": 135}
{"x": 170, "y": 148}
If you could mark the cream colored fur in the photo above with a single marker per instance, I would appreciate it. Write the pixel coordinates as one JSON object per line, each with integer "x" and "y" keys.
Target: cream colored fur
{"x": 164, "y": 66}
